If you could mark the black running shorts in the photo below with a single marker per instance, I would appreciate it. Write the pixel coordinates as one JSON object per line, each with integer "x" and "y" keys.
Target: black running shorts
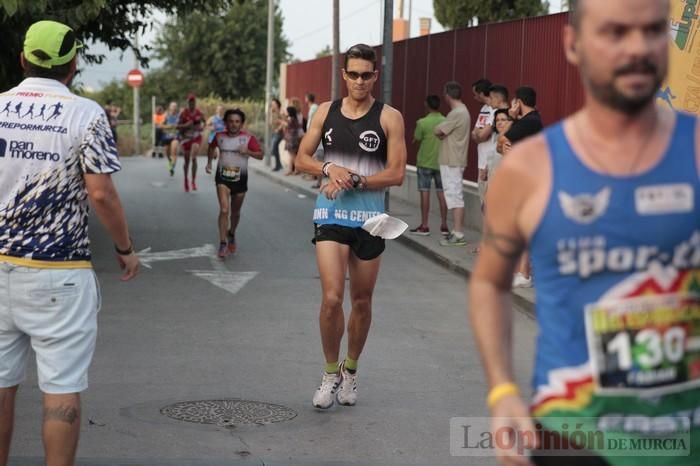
{"x": 365, "y": 246}
{"x": 236, "y": 187}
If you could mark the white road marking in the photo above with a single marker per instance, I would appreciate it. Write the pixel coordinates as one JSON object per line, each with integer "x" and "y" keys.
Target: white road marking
{"x": 232, "y": 282}
{"x": 147, "y": 257}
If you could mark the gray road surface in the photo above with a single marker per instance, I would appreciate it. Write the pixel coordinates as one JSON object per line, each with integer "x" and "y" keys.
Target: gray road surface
{"x": 173, "y": 335}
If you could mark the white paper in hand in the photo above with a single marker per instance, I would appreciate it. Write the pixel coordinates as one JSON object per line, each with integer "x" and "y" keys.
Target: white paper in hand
{"x": 385, "y": 226}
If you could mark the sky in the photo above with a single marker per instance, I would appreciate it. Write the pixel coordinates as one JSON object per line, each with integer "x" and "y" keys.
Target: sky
{"x": 360, "y": 21}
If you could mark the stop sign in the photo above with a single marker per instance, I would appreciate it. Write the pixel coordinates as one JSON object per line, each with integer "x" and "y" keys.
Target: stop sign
{"x": 134, "y": 78}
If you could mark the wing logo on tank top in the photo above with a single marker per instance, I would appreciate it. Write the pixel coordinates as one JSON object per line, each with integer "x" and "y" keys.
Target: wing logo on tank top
{"x": 327, "y": 135}
{"x": 369, "y": 141}
{"x": 585, "y": 208}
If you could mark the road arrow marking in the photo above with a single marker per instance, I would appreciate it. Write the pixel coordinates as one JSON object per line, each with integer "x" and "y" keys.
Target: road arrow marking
{"x": 232, "y": 282}
{"x": 147, "y": 257}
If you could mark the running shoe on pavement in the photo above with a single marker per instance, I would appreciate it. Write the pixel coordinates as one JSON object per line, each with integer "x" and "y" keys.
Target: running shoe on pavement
{"x": 231, "y": 243}
{"x": 445, "y": 232}
{"x": 347, "y": 391}
{"x": 223, "y": 251}
{"x": 325, "y": 393}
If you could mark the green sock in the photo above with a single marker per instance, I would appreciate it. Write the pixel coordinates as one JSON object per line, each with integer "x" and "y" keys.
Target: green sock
{"x": 350, "y": 364}
{"x": 332, "y": 367}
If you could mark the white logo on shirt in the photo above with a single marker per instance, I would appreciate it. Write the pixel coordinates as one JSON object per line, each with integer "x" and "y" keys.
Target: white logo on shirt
{"x": 664, "y": 199}
{"x": 585, "y": 208}
{"x": 329, "y": 139}
{"x": 369, "y": 141}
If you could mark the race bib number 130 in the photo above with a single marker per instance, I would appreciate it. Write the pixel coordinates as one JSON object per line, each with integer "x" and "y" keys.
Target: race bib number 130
{"x": 647, "y": 343}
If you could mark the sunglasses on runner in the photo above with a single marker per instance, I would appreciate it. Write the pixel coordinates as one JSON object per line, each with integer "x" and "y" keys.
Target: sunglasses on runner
{"x": 354, "y": 75}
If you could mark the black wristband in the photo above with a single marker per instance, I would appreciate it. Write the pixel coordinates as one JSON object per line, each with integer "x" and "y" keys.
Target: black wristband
{"x": 127, "y": 251}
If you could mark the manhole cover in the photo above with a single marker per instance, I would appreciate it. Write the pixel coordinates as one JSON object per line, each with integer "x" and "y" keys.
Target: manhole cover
{"x": 228, "y": 413}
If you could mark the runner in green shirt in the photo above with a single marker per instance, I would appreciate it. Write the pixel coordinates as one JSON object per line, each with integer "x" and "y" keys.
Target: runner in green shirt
{"x": 427, "y": 166}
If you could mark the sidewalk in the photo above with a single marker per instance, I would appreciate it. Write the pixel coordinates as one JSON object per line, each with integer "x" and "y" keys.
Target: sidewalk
{"x": 458, "y": 259}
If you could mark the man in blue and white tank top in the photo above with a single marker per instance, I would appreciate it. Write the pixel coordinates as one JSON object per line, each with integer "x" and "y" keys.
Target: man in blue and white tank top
{"x": 608, "y": 203}
{"x": 365, "y": 153}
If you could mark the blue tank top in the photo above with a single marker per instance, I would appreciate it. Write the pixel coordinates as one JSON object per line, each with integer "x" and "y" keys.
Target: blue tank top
{"x": 360, "y": 146}
{"x": 616, "y": 262}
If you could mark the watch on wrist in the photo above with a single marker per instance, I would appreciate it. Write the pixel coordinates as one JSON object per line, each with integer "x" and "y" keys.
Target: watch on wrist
{"x": 127, "y": 251}
{"x": 356, "y": 180}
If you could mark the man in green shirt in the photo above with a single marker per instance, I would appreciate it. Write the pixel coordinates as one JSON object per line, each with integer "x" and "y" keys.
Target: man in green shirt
{"x": 428, "y": 167}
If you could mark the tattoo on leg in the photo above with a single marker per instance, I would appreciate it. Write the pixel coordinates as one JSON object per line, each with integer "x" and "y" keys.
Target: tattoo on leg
{"x": 507, "y": 246}
{"x": 67, "y": 414}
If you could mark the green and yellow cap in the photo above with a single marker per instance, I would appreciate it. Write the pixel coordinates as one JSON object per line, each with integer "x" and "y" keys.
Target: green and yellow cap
{"x": 49, "y": 43}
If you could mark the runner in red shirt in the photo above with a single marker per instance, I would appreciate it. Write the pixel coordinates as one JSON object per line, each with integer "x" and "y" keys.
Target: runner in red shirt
{"x": 235, "y": 147}
{"x": 191, "y": 124}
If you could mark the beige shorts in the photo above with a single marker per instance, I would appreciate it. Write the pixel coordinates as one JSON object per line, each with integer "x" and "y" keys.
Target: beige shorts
{"x": 452, "y": 186}
{"x": 55, "y": 312}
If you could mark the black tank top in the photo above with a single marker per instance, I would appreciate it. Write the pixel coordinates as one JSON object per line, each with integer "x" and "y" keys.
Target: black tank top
{"x": 358, "y": 145}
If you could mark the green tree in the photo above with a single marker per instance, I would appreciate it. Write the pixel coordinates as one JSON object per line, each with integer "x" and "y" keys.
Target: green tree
{"x": 222, "y": 55}
{"x": 324, "y": 52}
{"x": 113, "y": 22}
{"x": 460, "y": 13}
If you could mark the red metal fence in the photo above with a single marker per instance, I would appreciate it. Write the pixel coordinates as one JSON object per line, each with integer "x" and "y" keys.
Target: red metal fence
{"x": 523, "y": 52}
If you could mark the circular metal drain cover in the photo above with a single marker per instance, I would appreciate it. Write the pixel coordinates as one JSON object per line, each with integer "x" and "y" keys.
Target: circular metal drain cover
{"x": 228, "y": 413}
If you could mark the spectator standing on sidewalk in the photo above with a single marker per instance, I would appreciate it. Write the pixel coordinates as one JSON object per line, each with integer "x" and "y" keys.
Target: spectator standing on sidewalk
{"x": 49, "y": 296}
{"x": 158, "y": 121}
{"x": 502, "y": 124}
{"x": 318, "y": 155}
{"x": 277, "y": 131}
{"x": 454, "y": 136}
{"x": 528, "y": 122}
{"x": 483, "y": 130}
{"x": 499, "y": 102}
{"x": 292, "y": 137}
{"x": 313, "y": 107}
{"x": 427, "y": 166}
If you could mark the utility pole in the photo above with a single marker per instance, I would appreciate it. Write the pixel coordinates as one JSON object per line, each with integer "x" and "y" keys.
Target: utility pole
{"x": 268, "y": 76}
{"x": 335, "y": 78}
{"x": 137, "y": 109}
{"x": 387, "y": 50}
{"x": 387, "y": 63}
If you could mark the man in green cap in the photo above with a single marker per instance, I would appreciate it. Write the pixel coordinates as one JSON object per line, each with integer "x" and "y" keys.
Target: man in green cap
{"x": 56, "y": 152}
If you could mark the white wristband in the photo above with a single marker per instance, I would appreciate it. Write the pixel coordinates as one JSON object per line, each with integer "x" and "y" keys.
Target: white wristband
{"x": 325, "y": 168}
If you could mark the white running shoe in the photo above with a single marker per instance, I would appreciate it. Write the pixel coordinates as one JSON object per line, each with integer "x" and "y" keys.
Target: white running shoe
{"x": 519, "y": 281}
{"x": 347, "y": 392}
{"x": 325, "y": 394}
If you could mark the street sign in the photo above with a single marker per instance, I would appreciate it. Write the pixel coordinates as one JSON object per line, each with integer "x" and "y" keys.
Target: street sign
{"x": 134, "y": 78}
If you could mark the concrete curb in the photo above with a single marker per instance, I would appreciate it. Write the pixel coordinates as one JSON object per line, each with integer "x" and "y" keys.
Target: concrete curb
{"x": 521, "y": 301}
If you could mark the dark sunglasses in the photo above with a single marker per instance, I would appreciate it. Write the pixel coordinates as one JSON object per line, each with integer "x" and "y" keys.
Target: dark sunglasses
{"x": 354, "y": 75}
